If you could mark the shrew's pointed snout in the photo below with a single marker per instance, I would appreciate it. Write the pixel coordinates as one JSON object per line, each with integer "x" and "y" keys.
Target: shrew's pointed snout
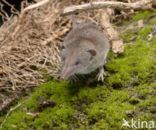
{"x": 66, "y": 73}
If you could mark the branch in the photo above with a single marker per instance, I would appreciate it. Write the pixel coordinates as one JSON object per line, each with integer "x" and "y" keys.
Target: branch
{"x": 117, "y": 42}
{"x": 35, "y": 5}
{"x": 143, "y": 4}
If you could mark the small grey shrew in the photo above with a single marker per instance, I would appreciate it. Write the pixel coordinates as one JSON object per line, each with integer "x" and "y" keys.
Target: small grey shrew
{"x": 85, "y": 50}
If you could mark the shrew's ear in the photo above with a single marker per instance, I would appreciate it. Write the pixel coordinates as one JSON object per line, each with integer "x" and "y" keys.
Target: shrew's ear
{"x": 92, "y": 52}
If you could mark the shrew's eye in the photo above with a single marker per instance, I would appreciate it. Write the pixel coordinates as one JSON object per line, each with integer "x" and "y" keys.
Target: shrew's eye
{"x": 77, "y": 62}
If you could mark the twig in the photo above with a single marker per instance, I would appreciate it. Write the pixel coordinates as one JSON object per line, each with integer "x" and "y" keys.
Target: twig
{"x": 35, "y": 5}
{"x": 4, "y": 12}
{"x": 13, "y": 9}
{"x": 11, "y": 110}
{"x": 142, "y": 4}
{"x": 117, "y": 43}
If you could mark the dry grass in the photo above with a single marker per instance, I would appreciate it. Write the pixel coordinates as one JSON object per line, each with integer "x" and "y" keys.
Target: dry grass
{"x": 30, "y": 44}
{"x": 29, "y": 47}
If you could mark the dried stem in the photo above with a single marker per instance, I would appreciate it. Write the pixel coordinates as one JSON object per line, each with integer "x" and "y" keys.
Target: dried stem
{"x": 142, "y": 4}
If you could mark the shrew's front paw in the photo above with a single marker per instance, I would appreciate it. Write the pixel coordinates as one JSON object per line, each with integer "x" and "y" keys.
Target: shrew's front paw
{"x": 101, "y": 74}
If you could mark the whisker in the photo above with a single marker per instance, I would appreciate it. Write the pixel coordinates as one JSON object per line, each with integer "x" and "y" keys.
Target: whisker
{"x": 73, "y": 78}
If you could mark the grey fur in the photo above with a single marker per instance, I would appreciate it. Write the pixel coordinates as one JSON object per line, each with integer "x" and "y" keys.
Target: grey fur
{"x": 85, "y": 50}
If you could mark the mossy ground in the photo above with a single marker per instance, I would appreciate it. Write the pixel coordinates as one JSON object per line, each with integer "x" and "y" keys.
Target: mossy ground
{"x": 129, "y": 91}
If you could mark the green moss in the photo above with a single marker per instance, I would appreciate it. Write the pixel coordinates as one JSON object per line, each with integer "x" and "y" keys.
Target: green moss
{"x": 128, "y": 92}
{"x": 133, "y": 67}
{"x": 143, "y": 15}
{"x": 111, "y": 111}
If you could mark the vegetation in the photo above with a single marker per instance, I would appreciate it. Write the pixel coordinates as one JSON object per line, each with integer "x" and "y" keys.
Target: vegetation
{"x": 128, "y": 92}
